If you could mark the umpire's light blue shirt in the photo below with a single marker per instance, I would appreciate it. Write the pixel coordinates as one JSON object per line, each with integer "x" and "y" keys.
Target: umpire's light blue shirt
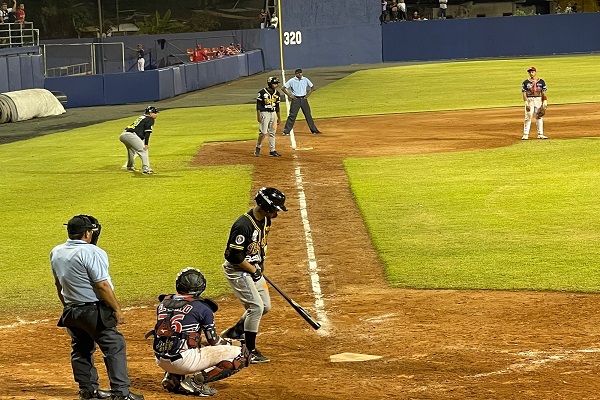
{"x": 298, "y": 86}
{"x": 78, "y": 265}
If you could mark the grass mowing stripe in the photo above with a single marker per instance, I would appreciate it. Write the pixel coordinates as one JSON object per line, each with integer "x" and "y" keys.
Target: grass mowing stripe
{"x": 520, "y": 217}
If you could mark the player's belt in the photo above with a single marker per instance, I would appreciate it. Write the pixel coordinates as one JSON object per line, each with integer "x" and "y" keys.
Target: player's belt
{"x": 300, "y": 97}
{"x": 93, "y": 303}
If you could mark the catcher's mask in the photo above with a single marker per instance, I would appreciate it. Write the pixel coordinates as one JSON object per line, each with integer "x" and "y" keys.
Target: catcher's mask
{"x": 273, "y": 80}
{"x": 151, "y": 110}
{"x": 270, "y": 199}
{"x": 82, "y": 223}
{"x": 190, "y": 281}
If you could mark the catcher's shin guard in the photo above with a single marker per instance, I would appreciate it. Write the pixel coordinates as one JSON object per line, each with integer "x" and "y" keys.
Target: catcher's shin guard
{"x": 224, "y": 369}
{"x": 171, "y": 382}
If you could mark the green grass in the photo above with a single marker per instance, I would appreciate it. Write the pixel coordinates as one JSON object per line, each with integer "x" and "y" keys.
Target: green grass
{"x": 152, "y": 225}
{"x": 523, "y": 217}
{"x": 455, "y": 86}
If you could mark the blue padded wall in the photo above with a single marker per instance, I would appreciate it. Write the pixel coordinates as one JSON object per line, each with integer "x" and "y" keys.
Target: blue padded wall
{"x": 26, "y": 72}
{"x": 14, "y": 73}
{"x": 4, "y": 72}
{"x": 255, "y": 62}
{"x": 81, "y": 91}
{"x": 37, "y": 65}
{"x": 491, "y": 37}
{"x": 165, "y": 83}
{"x": 131, "y": 88}
{"x": 192, "y": 80}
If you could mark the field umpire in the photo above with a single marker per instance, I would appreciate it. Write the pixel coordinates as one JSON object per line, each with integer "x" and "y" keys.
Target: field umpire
{"x": 244, "y": 262}
{"x": 91, "y": 311}
{"x": 267, "y": 115}
{"x": 298, "y": 89}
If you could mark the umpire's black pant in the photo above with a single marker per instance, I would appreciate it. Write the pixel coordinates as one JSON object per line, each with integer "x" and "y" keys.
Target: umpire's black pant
{"x": 297, "y": 104}
{"x": 87, "y": 326}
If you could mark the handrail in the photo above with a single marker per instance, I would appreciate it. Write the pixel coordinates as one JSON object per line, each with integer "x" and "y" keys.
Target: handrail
{"x": 15, "y": 34}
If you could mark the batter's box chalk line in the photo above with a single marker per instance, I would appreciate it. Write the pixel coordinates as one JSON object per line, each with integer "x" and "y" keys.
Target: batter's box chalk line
{"x": 303, "y": 148}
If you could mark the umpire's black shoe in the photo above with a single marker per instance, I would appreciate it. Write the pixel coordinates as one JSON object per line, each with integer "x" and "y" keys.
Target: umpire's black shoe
{"x": 316, "y": 132}
{"x": 97, "y": 394}
{"x": 130, "y": 396}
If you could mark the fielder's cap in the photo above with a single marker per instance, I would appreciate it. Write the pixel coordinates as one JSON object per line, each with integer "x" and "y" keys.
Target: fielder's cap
{"x": 532, "y": 68}
{"x": 78, "y": 224}
{"x": 298, "y": 70}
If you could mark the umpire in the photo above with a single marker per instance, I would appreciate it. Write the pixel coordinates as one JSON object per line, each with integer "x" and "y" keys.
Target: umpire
{"x": 297, "y": 90}
{"x": 91, "y": 311}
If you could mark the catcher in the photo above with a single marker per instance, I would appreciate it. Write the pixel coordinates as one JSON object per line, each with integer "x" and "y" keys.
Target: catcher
{"x": 180, "y": 319}
{"x": 536, "y": 102}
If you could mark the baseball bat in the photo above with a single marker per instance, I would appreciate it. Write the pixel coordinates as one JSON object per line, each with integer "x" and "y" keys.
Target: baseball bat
{"x": 297, "y": 307}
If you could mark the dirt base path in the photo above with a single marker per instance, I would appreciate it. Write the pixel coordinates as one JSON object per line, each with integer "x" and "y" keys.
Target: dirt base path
{"x": 434, "y": 344}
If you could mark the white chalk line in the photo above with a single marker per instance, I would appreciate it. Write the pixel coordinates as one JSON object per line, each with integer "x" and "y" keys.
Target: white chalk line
{"x": 313, "y": 267}
{"x": 537, "y": 359}
{"x": 21, "y": 322}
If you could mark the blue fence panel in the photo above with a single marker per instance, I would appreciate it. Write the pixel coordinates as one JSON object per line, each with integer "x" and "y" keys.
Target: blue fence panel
{"x": 4, "y": 72}
{"x": 81, "y": 91}
{"x": 255, "y": 62}
{"x": 178, "y": 80}
{"x": 26, "y": 72}
{"x": 14, "y": 73}
{"x": 192, "y": 81}
{"x": 131, "y": 88}
{"x": 37, "y": 64}
{"x": 165, "y": 83}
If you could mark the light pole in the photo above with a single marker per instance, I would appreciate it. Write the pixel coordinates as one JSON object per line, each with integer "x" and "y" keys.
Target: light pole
{"x": 117, "y": 3}
{"x": 100, "y": 16}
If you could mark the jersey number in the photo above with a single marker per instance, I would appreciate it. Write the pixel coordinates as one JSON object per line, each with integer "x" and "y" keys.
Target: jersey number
{"x": 290, "y": 38}
{"x": 174, "y": 323}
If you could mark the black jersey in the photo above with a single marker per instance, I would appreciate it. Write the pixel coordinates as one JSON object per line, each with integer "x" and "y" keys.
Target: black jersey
{"x": 176, "y": 326}
{"x": 266, "y": 101}
{"x": 142, "y": 127}
{"x": 248, "y": 240}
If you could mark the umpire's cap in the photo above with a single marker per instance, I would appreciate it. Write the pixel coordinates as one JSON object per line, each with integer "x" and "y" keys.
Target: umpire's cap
{"x": 151, "y": 110}
{"x": 298, "y": 70}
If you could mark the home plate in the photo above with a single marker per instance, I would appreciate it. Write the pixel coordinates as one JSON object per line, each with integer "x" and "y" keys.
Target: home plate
{"x": 304, "y": 148}
{"x": 350, "y": 357}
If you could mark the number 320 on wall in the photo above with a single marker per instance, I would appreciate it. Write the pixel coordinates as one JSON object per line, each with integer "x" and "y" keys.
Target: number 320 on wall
{"x": 290, "y": 38}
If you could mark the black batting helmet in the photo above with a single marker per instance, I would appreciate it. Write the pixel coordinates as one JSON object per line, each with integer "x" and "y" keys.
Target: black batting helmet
{"x": 272, "y": 80}
{"x": 82, "y": 223}
{"x": 270, "y": 199}
{"x": 151, "y": 110}
{"x": 190, "y": 281}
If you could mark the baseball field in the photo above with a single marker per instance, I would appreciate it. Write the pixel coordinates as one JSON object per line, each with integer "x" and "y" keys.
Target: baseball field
{"x": 420, "y": 229}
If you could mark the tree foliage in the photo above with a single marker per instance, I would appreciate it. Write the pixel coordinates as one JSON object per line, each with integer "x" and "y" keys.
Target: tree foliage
{"x": 157, "y": 24}
{"x": 201, "y": 22}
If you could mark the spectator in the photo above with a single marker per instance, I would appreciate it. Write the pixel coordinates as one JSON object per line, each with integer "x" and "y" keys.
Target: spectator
{"x": 574, "y": 8}
{"x": 141, "y": 62}
{"x": 416, "y": 16}
{"x": 274, "y": 22}
{"x": 402, "y": 10}
{"x": 5, "y": 11}
{"x": 394, "y": 11}
{"x": 383, "y": 16}
{"x": 557, "y": 9}
{"x": 263, "y": 18}
{"x": 239, "y": 48}
{"x": 568, "y": 8}
{"x": 443, "y": 8}
{"x": 21, "y": 14}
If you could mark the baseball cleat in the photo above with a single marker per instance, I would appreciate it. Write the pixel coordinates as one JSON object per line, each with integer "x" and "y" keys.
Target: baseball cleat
{"x": 286, "y": 134}
{"x": 257, "y": 152}
{"x": 147, "y": 172}
{"x": 542, "y": 137}
{"x": 525, "y": 137}
{"x": 256, "y": 357}
{"x": 274, "y": 154}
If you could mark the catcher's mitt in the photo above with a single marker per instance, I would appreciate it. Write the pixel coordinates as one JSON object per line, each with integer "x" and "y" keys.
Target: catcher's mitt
{"x": 541, "y": 112}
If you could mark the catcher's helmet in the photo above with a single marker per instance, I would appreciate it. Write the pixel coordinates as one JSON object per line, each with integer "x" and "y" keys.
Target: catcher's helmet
{"x": 190, "y": 281}
{"x": 270, "y": 199}
{"x": 272, "y": 80}
{"x": 151, "y": 110}
{"x": 82, "y": 223}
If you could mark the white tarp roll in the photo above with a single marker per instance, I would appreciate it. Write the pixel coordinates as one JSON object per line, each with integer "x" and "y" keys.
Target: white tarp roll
{"x": 22, "y": 105}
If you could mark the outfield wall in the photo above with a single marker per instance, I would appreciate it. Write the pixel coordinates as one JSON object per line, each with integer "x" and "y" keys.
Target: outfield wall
{"x": 491, "y": 37}
{"x": 20, "y": 72}
{"x": 155, "y": 84}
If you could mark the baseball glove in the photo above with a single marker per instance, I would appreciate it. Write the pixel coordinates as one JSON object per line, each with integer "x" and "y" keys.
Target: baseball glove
{"x": 541, "y": 112}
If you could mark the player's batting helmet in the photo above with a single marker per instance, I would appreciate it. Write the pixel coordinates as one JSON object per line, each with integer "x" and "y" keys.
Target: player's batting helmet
{"x": 190, "y": 281}
{"x": 270, "y": 199}
{"x": 272, "y": 80}
{"x": 151, "y": 110}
